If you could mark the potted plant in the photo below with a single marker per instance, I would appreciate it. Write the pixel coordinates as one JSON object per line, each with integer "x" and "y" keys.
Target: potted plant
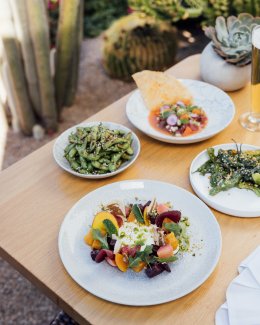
{"x": 225, "y": 61}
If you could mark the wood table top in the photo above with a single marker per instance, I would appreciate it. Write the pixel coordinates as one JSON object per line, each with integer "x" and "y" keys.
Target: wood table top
{"x": 35, "y": 195}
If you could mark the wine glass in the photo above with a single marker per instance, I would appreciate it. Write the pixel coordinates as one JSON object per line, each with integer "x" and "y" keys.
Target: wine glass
{"x": 251, "y": 120}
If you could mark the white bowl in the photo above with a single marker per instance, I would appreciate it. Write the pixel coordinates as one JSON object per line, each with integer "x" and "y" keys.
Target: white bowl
{"x": 62, "y": 141}
{"x": 216, "y": 103}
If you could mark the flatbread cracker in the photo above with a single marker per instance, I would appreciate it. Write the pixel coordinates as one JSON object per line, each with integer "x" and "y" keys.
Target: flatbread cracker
{"x": 158, "y": 89}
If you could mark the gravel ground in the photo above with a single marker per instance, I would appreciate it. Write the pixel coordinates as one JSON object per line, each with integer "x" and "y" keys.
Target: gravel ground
{"x": 21, "y": 303}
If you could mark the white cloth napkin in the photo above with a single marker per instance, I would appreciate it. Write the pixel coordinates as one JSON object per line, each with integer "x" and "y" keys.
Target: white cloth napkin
{"x": 242, "y": 306}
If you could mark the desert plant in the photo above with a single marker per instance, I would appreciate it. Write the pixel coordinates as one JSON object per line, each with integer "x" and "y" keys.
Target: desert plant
{"x": 231, "y": 38}
{"x": 171, "y": 10}
{"x": 134, "y": 43}
{"x": 38, "y": 25}
{"x": 215, "y": 8}
{"x": 25, "y": 62}
{"x": 249, "y": 6}
{"x": 68, "y": 43}
{"x": 14, "y": 73}
{"x": 20, "y": 17}
{"x": 99, "y": 14}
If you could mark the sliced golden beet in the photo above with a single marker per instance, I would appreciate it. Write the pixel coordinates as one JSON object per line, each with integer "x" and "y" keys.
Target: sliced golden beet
{"x": 121, "y": 264}
{"x": 171, "y": 240}
{"x": 139, "y": 267}
{"x": 100, "y": 217}
{"x": 96, "y": 244}
{"x": 131, "y": 217}
{"x": 88, "y": 238}
{"x": 146, "y": 219}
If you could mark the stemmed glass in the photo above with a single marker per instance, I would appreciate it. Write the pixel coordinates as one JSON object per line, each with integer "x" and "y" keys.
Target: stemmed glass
{"x": 251, "y": 120}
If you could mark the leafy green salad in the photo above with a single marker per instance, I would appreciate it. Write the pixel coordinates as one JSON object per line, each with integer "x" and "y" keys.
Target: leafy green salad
{"x": 232, "y": 168}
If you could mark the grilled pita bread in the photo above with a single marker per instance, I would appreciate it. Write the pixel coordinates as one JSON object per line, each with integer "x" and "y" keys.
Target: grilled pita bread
{"x": 158, "y": 88}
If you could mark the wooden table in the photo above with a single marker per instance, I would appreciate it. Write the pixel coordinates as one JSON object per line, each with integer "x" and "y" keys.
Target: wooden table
{"x": 35, "y": 195}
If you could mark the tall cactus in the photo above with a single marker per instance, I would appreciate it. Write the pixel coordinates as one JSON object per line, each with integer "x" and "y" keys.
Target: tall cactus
{"x": 39, "y": 31}
{"x": 67, "y": 41}
{"x": 23, "y": 35}
{"x": 73, "y": 80}
{"x": 13, "y": 58}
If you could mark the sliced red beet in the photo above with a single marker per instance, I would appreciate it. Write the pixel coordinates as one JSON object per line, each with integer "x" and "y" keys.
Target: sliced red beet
{"x": 132, "y": 250}
{"x": 94, "y": 254}
{"x": 109, "y": 253}
{"x": 194, "y": 127}
{"x": 119, "y": 220}
{"x": 154, "y": 270}
{"x": 147, "y": 204}
{"x": 127, "y": 211}
{"x": 102, "y": 254}
{"x": 166, "y": 267}
{"x": 174, "y": 215}
{"x": 125, "y": 250}
{"x": 182, "y": 128}
{"x": 115, "y": 209}
{"x": 110, "y": 261}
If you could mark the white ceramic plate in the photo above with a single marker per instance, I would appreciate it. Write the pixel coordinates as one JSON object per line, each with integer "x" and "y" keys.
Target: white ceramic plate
{"x": 215, "y": 102}
{"x": 130, "y": 288}
{"x": 235, "y": 202}
{"x": 62, "y": 141}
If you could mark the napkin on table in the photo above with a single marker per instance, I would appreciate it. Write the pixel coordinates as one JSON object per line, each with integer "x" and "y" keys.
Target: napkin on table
{"x": 242, "y": 306}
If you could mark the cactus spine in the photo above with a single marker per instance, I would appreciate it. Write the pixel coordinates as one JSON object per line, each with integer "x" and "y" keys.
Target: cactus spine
{"x": 135, "y": 43}
{"x": 24, "y": 38}
{"x": 66, "y": 56}
{"x": 39, "y": 31}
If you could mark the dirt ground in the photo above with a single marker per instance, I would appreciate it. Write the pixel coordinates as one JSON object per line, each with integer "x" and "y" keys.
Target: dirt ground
{"x": 21, "y": 303}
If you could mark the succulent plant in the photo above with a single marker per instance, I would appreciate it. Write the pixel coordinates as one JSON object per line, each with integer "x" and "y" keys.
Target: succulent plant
{"x": 136, "y": 42}
{"x": 231, "y": 38}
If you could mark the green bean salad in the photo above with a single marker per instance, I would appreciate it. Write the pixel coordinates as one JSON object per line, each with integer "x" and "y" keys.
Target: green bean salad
{"x": 98, "y": 150}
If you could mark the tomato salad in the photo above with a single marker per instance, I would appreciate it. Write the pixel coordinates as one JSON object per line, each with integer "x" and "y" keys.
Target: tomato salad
{"x": 179, "y": 120}
{"x": 138, "y": 236}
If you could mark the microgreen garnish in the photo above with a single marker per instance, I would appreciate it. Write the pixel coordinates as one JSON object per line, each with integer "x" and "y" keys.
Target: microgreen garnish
{"x": 138, "y": 214}
{"x": 96, "y": 233}
{"x": 110, "y": 227}
{"x": 173, "y": 227}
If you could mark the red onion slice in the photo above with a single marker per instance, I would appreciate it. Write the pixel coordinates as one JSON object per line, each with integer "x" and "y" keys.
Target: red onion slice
{"x": 172, "y": 120}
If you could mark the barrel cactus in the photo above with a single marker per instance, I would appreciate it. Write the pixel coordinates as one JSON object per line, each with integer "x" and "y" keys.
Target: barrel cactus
{"x": 136, "y": 42}
{"x": 231, "y": 38}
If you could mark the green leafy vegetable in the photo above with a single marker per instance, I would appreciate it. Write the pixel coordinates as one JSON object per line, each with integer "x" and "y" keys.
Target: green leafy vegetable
{"x": 173, "y": 227}
{"x": 167, "y": 259}
{"x": 110, "y": 227}
{"x": 232, "y": 168}
{"x": 103, "y": 240}
{"x": 134, "y": 261}
{"x": 138, "y": 214}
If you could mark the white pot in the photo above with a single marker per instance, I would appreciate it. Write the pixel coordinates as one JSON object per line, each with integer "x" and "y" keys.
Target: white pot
{"x": 218, "y": 72}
